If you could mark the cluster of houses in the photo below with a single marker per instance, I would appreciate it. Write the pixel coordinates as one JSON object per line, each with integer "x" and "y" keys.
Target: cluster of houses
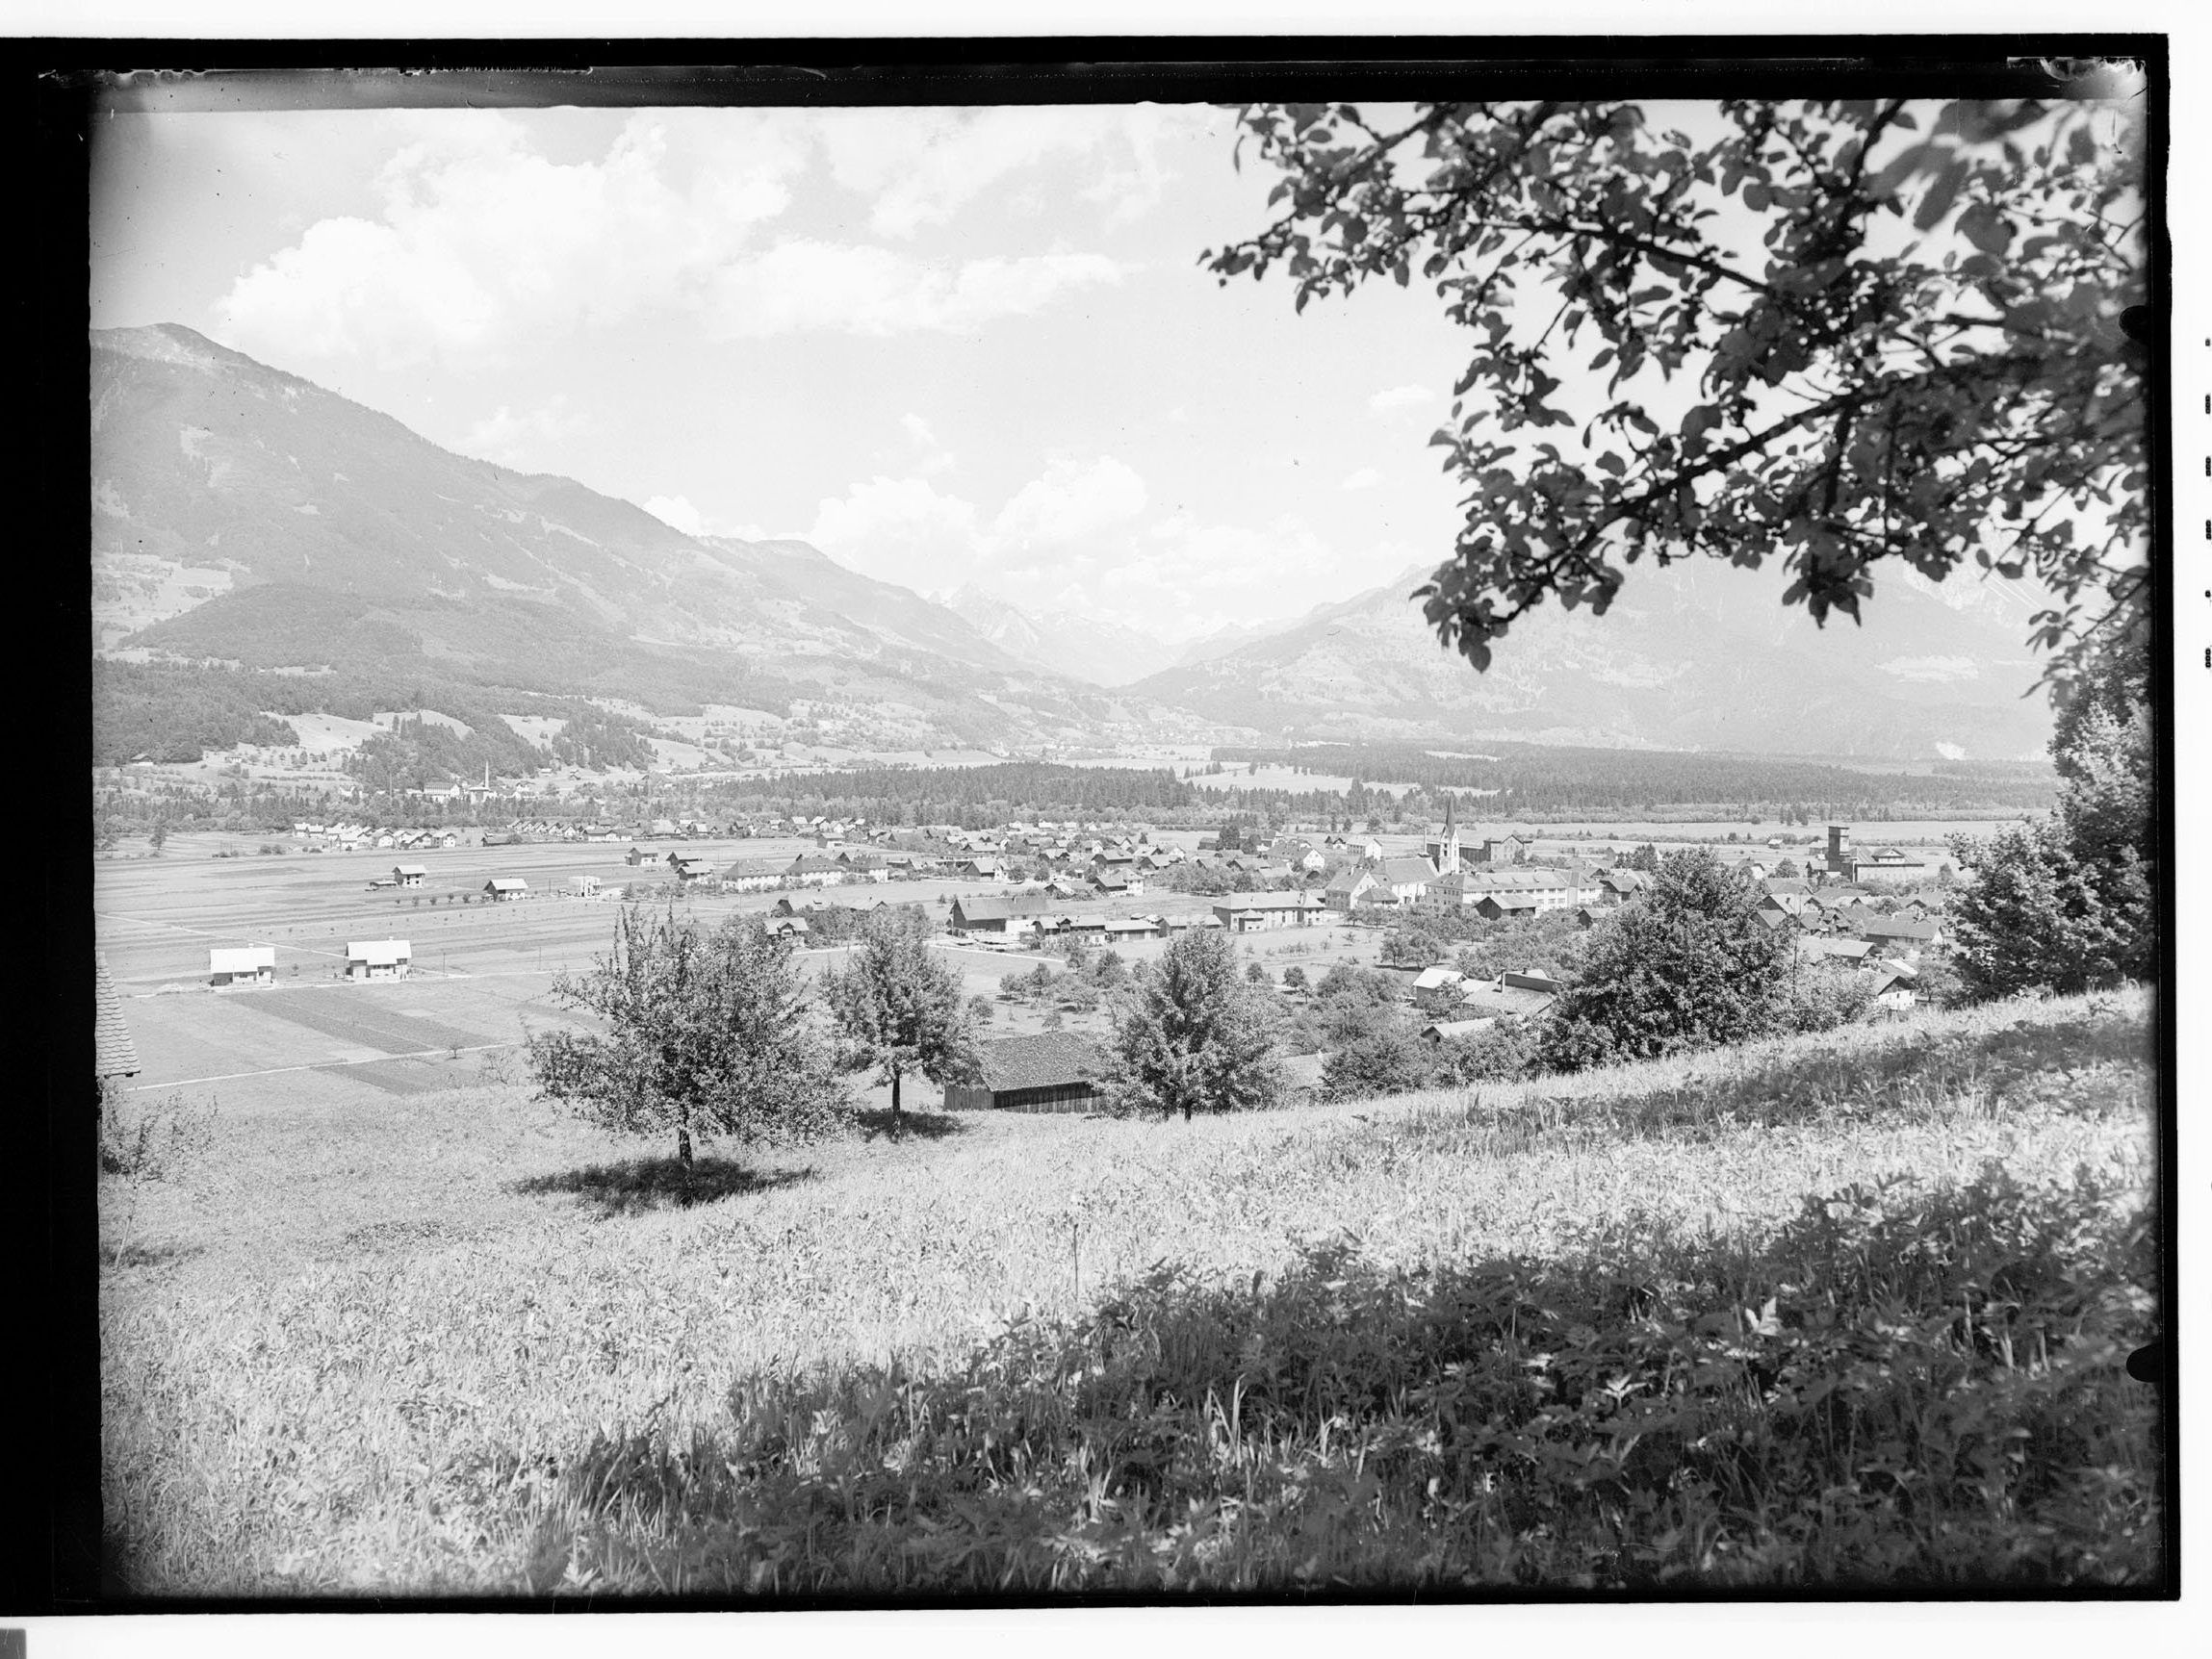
{"x": 256, "y": 964}
{"x": 358, "y": 837}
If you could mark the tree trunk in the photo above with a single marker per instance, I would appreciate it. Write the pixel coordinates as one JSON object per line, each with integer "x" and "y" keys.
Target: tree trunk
{"x": 894, "y": 1092}
{"x": 684, "y": 1144}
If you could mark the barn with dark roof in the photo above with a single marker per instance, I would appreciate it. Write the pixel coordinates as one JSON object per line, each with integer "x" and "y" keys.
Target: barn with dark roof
{"x": 1052, "y": 1071}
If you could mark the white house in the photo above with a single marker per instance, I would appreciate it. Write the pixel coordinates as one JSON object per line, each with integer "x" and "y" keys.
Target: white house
{"x": 408, "y": 875}
{"x": 378, "y": 958}
{"x": 502, "y": 888}
{"x": 248, "y": 965}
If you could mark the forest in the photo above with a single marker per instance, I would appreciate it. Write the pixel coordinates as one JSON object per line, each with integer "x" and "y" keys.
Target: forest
{"x": 944, "y": 794}
{"x": 179, "y": 711}
{"x": 1529, "y": 780}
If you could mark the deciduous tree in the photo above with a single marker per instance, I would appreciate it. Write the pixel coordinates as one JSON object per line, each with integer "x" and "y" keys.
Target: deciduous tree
{"x": 900, "y": 1008}
{"x": 1829, "y": 334}
{"x": 1688, "y": 965}
{"x": 1194, "y": 1036}
{"x": 706, "y": 1033}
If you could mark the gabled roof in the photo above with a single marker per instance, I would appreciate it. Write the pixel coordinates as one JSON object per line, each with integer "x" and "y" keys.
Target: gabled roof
{"x": 113, "y": 1054}
{"x": 378, "y": 952}
{"x": 999, "y": 906}
{"x": 1482, "y": 997}
{"x": 1436, "y": 978}
{"x": 1048, "y": 1060}
{"x": 1898, "y": 927}
{"x": 507, "y": 884}
{"x": 237, "y": 959}
{"x": 1403, "y": 871}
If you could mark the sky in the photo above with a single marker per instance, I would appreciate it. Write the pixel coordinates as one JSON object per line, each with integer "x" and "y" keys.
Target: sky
{"x": 946, "y": 346}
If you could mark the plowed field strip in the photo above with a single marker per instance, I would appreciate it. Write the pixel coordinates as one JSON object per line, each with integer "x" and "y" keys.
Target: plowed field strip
{"x": 362, "y": 1022}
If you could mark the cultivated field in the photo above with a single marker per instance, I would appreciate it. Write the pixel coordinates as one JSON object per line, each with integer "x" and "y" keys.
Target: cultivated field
{"x": 482, "y": 973}
{"x": 446, "y": 1341}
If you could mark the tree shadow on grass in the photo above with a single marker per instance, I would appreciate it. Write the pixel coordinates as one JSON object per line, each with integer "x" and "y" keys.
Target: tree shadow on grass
{"x": 880, "y": 1125}
{"x": 640, "y": 1185}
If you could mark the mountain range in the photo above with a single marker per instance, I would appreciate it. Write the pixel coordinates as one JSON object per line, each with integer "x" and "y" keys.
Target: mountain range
{"x": 1698, "y": 656}
{"x": 243, "y": 514}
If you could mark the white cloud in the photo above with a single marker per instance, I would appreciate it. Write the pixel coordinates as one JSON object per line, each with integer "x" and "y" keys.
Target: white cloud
{"x": 901, "y": 531}
{"x": 1397, "y": 398}
{"x": 906, "y": 530}
{"x": 873, "y": 291}
{"x": 935, "y": 458}
{"x": 679, "y": 514}
{"x": 1366, "y": 478}
{"x": 483, "y": 241}
{"x": 522, "y": 440}
{"x": 922, "y": 167}
{"x": 1072, "y": 500}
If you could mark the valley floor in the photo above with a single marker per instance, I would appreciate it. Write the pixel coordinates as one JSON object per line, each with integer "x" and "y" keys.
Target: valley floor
{"x": 449, "y": 1342}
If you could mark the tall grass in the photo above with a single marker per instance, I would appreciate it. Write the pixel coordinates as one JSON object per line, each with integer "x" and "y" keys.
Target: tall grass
{"x": 405, "y": 1330}
{"x": 1897, "y": 1388}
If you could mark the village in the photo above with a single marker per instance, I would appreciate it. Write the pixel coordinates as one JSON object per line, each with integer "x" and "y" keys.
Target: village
{"x": 1015, "y": 905}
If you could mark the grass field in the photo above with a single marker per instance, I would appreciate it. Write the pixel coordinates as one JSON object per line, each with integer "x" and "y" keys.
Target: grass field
{"x": 444, "y": 1341}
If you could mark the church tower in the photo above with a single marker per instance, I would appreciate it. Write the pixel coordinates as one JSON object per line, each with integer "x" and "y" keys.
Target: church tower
{"x": 1444, "y": 849}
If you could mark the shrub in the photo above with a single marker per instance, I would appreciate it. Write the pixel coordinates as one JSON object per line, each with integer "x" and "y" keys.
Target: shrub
{"x": 1386, "y": 1059}
{"x": 143, "y": 1139}
{"x": 1824, "y": 997}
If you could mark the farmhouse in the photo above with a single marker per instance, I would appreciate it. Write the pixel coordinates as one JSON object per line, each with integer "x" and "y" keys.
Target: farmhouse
{"x": 815, "y": 870}
{"x": 1052, "y": 1071}
{"x": 1258, "y": 912}
{"x": 501, "y": 888}
{"x": 789, "y": 927}
{"x": 250, "y": 965}
{"x": 691, "y": 869}
{"x": 1407, "y": 879}
{"x": 1519, "y": 995}
{"x": 584, "y": 886}
{"x": 753, "y": 875}
{"x": 1898, "y": 931}
{"x": 408, "y": 875}
{"x": 993, "y": 912}
{"x": 1495, "y": 906}
{"x": 1345, "y": 889}
{"x": 1443, "y": 1030}
{"x": 638, "y": 858}
{"x": 378, "y": 958}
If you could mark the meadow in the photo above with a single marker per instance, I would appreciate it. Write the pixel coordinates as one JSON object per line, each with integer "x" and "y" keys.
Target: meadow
{"x": 1820, "y": 1311}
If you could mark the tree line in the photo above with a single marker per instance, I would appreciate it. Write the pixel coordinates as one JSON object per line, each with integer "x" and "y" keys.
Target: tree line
{"x": 1527, "y": 780}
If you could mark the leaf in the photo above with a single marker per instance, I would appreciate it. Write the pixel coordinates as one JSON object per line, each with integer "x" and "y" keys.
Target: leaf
{"x": 1940, "y": 197}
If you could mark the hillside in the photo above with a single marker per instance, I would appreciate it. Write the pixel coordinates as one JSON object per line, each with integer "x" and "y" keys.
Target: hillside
{"x": 1698, "y": 656}
{"x": 1229, "y": 1318}
{"x": 244, "y": 514}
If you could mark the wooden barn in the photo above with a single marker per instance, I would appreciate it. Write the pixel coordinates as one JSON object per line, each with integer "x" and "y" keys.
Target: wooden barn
{"x": 1052, "y": 1071}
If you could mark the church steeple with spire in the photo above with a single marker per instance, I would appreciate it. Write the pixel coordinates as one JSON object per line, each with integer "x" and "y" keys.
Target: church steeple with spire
{"x": 1443, "y": 849}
